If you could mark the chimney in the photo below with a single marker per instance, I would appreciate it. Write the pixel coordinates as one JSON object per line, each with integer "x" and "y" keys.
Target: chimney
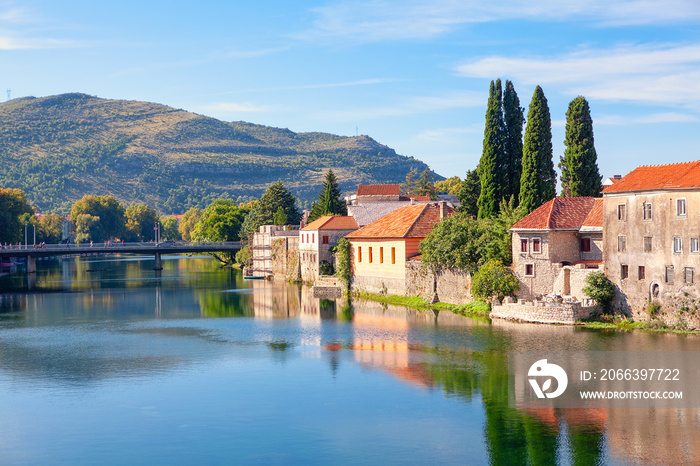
{"x": 443, "y": 209}
{"x": 413, "y": 201}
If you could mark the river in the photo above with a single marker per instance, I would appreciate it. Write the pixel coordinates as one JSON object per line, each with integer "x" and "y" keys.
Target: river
{"x": 105, "y": 361}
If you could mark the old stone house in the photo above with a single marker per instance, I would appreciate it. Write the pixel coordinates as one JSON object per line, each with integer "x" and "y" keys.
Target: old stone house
{"x": 652, "y": 236}
{"x": 557, "y": 245}
{"x": 316, "y": 240}
{"x": 380, "y": 250}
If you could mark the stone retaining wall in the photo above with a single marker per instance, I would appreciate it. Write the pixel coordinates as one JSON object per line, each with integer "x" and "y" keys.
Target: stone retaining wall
{"x": 541, "y": 312}
{"x": 447, "y": 287}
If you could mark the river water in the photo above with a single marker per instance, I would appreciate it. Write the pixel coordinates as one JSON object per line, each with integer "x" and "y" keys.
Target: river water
{"x": 105, "y": 361}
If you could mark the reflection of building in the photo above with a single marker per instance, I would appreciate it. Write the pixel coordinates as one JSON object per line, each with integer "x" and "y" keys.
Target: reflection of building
{"x": 381, "y": 249}
{"x": 275, "y": 300}
{"x": 316, "y": 240}
{"x": 556, "y": 246}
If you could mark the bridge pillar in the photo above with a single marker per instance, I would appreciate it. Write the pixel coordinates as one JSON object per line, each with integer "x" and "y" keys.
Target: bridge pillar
{"x": 31, "y": 264}
{"x": 159, "y": 263}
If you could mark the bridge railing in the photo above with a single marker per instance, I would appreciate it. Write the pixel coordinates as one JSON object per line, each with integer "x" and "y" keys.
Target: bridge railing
{"x": 117, "y": 245}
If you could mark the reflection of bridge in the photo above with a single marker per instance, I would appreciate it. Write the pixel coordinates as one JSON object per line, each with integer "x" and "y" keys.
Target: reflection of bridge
{"x": 32, "y": 252}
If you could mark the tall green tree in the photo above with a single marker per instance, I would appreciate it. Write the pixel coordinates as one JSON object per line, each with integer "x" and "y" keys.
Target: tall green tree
{"x": 220, "y": 221}
{"x": 15, "y": 212}
{"x": 110, "y": 212}
{"x": 513, "y": 119}
{"x": 538, "y": 180}
{"x": 425, "y": 185}
{"x": 50, "y": 229}
{"x": 491, "y": 163}
{"x": 469, "y": 193}
{"x": 579, "y": 166}
{"x": 329, "y": 200}
{"x": 188, "y": 222}
{"x": 263, "y": 212}
{"x": 169, "y": 229}
{"x": 140, "y": 222}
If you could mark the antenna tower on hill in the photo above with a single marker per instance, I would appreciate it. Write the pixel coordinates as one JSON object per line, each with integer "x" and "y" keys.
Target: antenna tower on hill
{"x": 8, "y": 94}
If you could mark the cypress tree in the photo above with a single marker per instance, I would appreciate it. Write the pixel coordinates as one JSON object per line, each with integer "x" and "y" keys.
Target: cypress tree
{"x": 491, "y": 162}
{"x": 538, "y": 180}
{"x": 329, "y": 202}
{"x": 579, "y": 166}
{"x": 513, "y": 142}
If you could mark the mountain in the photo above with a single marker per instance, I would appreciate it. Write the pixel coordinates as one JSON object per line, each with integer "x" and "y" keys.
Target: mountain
{"x": 59, "y": 148}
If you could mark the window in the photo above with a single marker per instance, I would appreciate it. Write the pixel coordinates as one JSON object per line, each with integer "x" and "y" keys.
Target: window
{"x": 621, "y": 243}
{"x": 359, "y": 254}
{"x": 624, "y": 271}
{"x": 370, "y": 255}
{"x": 393, "y": 255}
{"x": 641, "y": 272}
{"x": 647, "y": 244}
{"x": 585, "y": 245}
{"x": 529, "y": 270}
{"x": 622, "y": 212}
{"x": 694, "y": 245}
{"x": 677, "y": 245}
{"x": 313, "y": 237}
{"x": 523, "y": 245}
{"x": 536, "y": 245}
{"x": 669, "y": 274}
{"x": 325, "y": 239}
{"x": 302, "y": 238}
{"x": 381, "y": 255}
{"x": 647, "y": 210}
{"x": 680, "y": 207}
{"x": 689, "y": 272}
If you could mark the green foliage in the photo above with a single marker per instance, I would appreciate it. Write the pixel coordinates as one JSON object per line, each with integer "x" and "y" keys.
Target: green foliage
{"x": 343, "y": 269}
{"x": 111, "y": 216}
{"x": 424, "y": 186}
{"x": 410, "y": 183}
{"x": 50, "y": 229}
{"x": 653, "y": 308}
{"x": 454, "y": 243}
{"x": 494, "y": 280}
{"x": 329, "y": 199}
{"x": 579, "y": 166}
{"x": 169, "y": 229}
{"x": 469, "y": 193}
{"x": 491, "y": 162}
{"x": 452, "y": 185}
{"x": 15, "y": 212}
{"x": 512, "y": 141}
{"x": 58, "y": 148}
{"x": 280, "y": 218}
{"x": 275, "y": 196}
{"x": 140, "y": 223}
{"x": 87, "y": 228}
{"x": 220, "y": 221}
{"x": 601, "y": 289}
{"x": 497, "y": 241}
{"x": 325, "y": 268}
{"x": 243, "y": 256}
{"x": 188, "y": 222}
{"x": 538, "y": 179}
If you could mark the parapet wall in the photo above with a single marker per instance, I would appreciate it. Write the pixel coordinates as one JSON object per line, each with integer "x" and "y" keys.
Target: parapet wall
{"x": 541, "y": 312}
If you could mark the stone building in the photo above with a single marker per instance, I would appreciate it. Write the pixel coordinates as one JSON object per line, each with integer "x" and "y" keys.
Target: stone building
{"x": 557, "y": 245}
{"x": 316, "y": 240}
{"x": 652, "y": 236}
{"x": 380, "y": 250}
{"x": 261, "y": 248}
{"x": 373, "y": 201}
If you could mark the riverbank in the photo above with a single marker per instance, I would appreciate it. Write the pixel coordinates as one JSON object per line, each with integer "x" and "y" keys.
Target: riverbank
{"x": 627, "y": 325}
{"x": 476, "y": 309}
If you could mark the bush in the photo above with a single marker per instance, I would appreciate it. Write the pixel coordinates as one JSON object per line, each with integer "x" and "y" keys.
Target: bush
{"x": 325, "y": 268}
{"x": 494, "y": 280}
{"x": 601, "y": 289}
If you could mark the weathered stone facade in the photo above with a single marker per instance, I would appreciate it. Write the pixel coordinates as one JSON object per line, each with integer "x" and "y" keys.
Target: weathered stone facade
{"x": 451, "y": 287}
{"x": 285, "y": 258}
{"x": 541, "y": 312}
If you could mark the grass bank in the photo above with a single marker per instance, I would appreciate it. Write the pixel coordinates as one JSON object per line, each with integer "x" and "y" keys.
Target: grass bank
{"x": 629, "y": 325}
{"x": 473, "y": 309}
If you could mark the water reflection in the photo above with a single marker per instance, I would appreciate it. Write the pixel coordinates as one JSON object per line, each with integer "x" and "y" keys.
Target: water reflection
{"x": 88, "y": 323}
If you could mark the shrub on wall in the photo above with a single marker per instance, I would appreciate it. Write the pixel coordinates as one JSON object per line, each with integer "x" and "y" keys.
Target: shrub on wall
{"x": 343, "y": 266}
{"x": 494, "y": 280}
{"x": 601, "y": 289}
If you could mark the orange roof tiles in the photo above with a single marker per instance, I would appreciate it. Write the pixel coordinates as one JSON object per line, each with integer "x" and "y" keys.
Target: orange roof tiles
{"x": 378, "y": 190}
{"x": 412, "y": 221}
{"x": 595, "y": 216}
{"x": 561, "y": 213}
{"x": 333, "y": 222}
{"x": 654, "y": 177}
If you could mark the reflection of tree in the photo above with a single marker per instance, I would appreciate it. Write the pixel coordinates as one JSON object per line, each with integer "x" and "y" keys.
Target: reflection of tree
{"x": 515, "y": 436}
{"x": 345, "y": 313}
{"x": 217, "y": 304}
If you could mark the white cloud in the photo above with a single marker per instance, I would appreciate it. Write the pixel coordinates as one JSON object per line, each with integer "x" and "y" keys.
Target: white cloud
{"x": 14, "y": 43}
{"x": 661, "y": 74}
{"x": 421, "y": 19}
{"x": 654, "y": 118}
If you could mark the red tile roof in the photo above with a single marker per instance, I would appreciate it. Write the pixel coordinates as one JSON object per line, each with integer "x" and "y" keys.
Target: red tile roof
{"x": 333, "y": 222}
{"x": 561, "y": 213}
{"x": 595, "y": 216}
{"x": 378, "y": 190}
{"x": 654, "y": 177}
{"x": 412, "y": 221}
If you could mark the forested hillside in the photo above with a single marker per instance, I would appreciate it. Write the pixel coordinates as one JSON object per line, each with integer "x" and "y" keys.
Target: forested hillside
{"x": 59, "y": 148}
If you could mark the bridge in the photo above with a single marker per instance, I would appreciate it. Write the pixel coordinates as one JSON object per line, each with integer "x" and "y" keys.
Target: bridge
{"x": 32, "y": 252}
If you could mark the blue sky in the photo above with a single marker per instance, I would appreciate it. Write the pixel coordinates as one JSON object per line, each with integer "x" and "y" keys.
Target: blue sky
{"x": 413, "y": 75}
